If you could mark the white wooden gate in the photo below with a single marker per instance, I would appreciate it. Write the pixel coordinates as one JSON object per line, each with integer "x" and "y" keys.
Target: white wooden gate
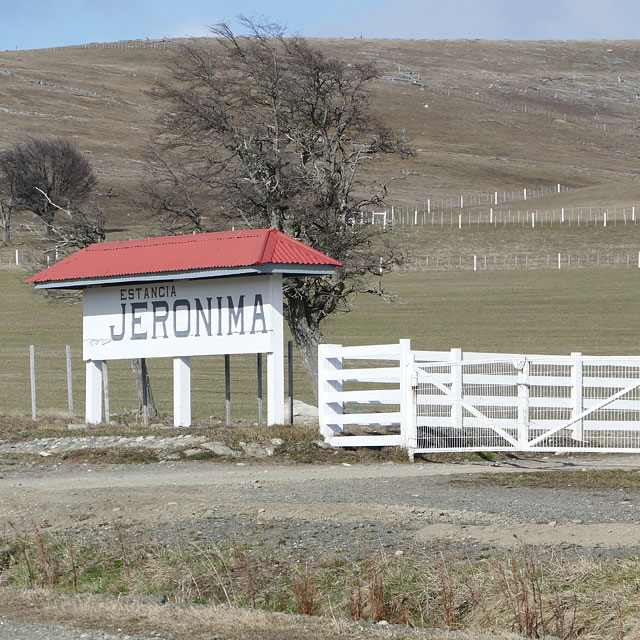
{"x": 520, "y": 402}
{"x": 431, "y": 401}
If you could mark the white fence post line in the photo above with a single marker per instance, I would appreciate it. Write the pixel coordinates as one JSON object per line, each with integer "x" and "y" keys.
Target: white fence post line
{"x": 328, "y": 361}
{"x": 407, "y": 413}
{"x": 456, "y": 388}
{"x": 576, "y": 395}
{"x": 69, "y": 382}
{"x": 32, "y": 375}
{"x": 523, "y": 403}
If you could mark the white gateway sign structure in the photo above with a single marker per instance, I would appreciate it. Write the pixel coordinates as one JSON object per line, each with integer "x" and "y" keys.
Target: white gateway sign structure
{"x": 182, "y": 296}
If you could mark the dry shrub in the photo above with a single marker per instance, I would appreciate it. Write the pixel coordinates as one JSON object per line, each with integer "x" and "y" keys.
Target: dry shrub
{"x": 305, "y": 591}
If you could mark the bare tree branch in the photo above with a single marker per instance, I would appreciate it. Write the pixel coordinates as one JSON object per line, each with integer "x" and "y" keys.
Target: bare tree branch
{"x": 267, "y": 131}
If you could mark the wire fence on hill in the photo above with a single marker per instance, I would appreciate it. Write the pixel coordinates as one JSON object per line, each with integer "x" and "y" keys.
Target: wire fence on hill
{"x": 425, "y": 215}
{"x": 160, "y": 45}
{"x": 528, "y": 261}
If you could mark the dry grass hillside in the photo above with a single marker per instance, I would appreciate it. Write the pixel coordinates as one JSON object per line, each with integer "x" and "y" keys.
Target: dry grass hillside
{"x": 482, "y": 115}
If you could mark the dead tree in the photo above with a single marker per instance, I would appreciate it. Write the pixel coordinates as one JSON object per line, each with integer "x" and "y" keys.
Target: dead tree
{"x": 54, "y": 167}
{"x": 267, "y": 131}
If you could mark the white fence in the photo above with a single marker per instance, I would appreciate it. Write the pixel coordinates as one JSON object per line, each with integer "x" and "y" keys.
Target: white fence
{"x": 435, "y": 401}
{"x": 442, "y": 215}
{"x": 532, "y": 261}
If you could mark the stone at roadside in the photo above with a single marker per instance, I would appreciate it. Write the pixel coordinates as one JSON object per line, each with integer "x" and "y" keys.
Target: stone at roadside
{"x": 255, "y": 450}
{"x": 192, "y": 452}
{"x": 220, "y": 449}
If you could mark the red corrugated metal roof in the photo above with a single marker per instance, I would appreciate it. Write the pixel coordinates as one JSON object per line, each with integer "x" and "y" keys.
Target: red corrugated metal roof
{"x": 184, "y": 253}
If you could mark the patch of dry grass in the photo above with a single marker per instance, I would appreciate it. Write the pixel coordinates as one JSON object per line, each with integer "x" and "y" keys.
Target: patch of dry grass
{"x": 587, "y": 598}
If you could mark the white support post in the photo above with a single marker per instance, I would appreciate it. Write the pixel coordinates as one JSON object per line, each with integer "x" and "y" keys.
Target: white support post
{"x": 182, "y": 391}
{"x": 523, "y": 404}
{"x": 491, "y": 215}
{"x": 93, "y": 411}
{"x": 524, "y": 192}
{"x": 428, "y": 206}
{"x": 275, "y": 359}
{"x": 105, "y": 392}
{"x": 562, "y": 215}
{"x": 459, "y": 221}
{"x": 462, "y": 202}
{"x": 329, "y": 360}
{"x": 408, "y": 387}
{"x": 496, "y": 198}
{"x": 576, "y": 395}
{"x": 475, "y": 263}
{"x": 533, "y": 219}
{"x": 69, "y": 381}
{"x": 559, "y": 261}
{"x": 604, "y": 219}
{"x": 456, "y": 388}
{"x": 32, "y": 372}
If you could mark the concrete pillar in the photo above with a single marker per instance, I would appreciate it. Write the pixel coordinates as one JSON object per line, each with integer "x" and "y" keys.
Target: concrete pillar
{"x": 275, "y": 359}
{"x": 182, "y": 391}
{"x": 93, "y": 411}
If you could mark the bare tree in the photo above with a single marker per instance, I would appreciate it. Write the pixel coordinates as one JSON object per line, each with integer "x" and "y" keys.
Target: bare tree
{"x": 268, "y": 131}
{"x": 53, "y": 167}
{"x": 8, "y": 201}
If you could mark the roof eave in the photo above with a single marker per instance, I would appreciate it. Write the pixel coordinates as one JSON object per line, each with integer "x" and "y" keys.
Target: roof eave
{"x": 263, "y": 269}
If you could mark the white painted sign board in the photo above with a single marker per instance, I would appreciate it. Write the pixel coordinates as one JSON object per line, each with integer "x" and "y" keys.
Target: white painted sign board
{"x": 175, "y": 318}
{"x": 183, "y": 318}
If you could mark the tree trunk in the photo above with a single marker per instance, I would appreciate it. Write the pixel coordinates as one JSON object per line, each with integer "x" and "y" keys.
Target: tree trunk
{"x": 47, "y": 218}
{"x": 307, "y": 334}
{"x": 136, "y": 366}
{"x": 6, "y": 238}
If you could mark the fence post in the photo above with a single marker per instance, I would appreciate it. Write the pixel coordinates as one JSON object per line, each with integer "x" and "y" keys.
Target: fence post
{"x": 290, "y": 376}
{"x": 32, "y": 372}
{"x": 145, "y": 395}
{"x": 576, "y": 395}
{"x": 456, "y": 388}
{"x": 408, "y": 386}
{"x": 69, "y": 381}
{"x": 329, "y": 360}
{"x": 227, "y": 389}
{"x": 559, "y": 260}
{"x": 523, "y": 403}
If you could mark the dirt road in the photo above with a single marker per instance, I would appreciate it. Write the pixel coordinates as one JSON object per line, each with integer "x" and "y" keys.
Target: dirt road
{"x": 352, "y": 508}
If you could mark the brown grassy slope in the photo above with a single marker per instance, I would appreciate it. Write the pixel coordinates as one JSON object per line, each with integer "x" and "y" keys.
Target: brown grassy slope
{"x": 97, "y": 97}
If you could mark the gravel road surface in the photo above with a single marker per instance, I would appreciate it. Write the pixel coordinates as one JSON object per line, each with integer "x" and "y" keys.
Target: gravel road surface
{"x": 303, "y": 510}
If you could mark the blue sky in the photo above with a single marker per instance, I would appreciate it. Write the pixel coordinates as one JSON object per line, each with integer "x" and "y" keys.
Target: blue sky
{"x": 26, "y": 24}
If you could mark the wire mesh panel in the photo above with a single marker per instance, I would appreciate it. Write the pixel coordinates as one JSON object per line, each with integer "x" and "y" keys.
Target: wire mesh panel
{"x": 543, "y": 403}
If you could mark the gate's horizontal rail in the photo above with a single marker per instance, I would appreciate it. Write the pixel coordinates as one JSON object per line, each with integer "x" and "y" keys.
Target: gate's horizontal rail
{"x": 370, "y": 419}
{"x": 382, "y": 374}
{"x": 365, "y": 396}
